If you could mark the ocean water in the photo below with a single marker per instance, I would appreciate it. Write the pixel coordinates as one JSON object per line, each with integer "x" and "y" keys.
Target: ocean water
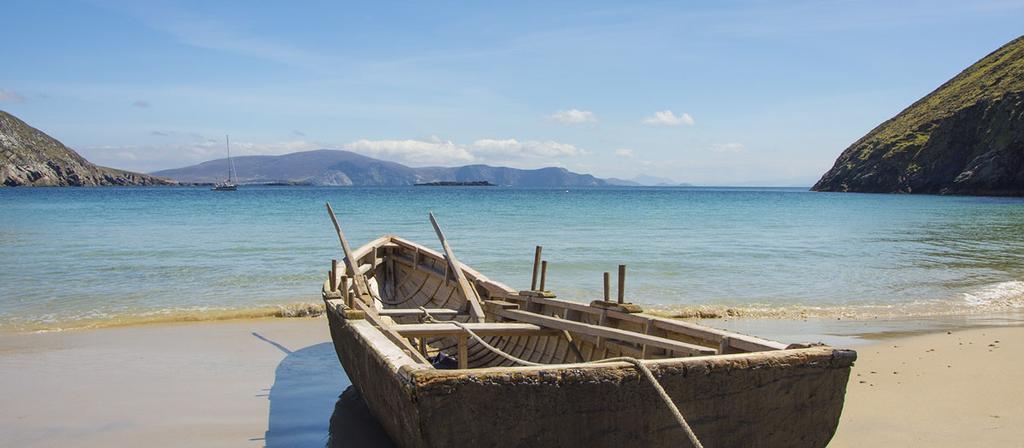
{"x": 97, "y": 256}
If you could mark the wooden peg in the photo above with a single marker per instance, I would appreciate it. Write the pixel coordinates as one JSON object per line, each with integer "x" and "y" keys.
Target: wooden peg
{"x": 334, "y": 275}
{"x": 543, "y": 273}
{"x": 607, "y": 287}
{"x": 622, "y": 283}
{"x": 345, "y": 291}
{"x": 536, "y": 267}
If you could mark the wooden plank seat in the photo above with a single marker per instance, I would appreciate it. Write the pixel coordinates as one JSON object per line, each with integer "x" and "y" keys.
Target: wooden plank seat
{"x": 480, "y": 328}
{"x": 403, "y": 312}
{"x": 606, "y": 332}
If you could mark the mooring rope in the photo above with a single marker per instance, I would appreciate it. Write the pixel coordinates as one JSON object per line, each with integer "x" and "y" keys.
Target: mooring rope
{"x": 635, "y": 362}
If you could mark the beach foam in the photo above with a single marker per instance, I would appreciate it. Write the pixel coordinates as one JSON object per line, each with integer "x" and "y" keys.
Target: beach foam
{"x": 996, "y": 296}
{"x": 993, "y": 298}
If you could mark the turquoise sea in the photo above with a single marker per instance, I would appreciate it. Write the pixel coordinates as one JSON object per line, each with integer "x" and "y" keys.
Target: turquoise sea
{"x": 74, "y": 257}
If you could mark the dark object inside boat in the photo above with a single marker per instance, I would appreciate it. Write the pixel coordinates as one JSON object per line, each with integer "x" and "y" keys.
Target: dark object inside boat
{"x": 444, "y": 362}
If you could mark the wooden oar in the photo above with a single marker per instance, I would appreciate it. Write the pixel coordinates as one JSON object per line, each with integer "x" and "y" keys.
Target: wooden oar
{"x": 359, "y": 282}
{"x": 365, "y": 302}
{"x": 475, "y": 310}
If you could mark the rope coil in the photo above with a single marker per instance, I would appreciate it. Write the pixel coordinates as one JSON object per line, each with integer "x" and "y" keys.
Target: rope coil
{"x": 644, "y": 370}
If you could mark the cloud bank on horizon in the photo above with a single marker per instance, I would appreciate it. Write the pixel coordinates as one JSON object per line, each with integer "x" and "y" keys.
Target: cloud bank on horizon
{"x": 189, "y": 149}
{"x": 747, "y": 92}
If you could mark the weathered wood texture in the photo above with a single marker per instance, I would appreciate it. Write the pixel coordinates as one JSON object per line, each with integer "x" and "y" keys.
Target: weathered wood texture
{"x": 412, "y": 276}
{"x": 770, "y": 399}
{"x": 454, "y": 266}
{"x": 763, "y": 396}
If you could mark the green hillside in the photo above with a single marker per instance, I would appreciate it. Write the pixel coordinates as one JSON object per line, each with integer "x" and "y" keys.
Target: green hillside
{"x": 29, "y": 157}
{"x": 966, "y": 137}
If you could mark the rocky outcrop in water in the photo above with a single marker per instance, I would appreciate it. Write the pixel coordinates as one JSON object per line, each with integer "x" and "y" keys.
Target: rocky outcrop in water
{"x": 29, "y": 157}
{"x": 966, "y": 137}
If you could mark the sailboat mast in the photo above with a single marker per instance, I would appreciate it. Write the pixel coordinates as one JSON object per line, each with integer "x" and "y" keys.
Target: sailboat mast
{"x": 231, "y": 163}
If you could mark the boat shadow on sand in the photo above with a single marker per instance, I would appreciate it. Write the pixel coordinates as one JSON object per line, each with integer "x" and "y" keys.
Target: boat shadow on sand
{"x": 306, "y": 409}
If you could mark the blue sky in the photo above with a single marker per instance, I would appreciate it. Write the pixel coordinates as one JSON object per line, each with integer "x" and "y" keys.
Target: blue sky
{"x": 714, "y": 93}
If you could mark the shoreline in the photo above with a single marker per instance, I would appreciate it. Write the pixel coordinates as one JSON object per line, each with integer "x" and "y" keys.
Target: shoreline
{"x": 868, "y": 317}
{"x": 835, "y": 331}
{"x": 277, "y": 382}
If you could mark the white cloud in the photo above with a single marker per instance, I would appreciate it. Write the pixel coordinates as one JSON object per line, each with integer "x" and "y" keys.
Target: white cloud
{"x": 436, "y": 151}
{"x": 730, "y": 148}
{"x": 625, "y": 152}
{"x": 574, "y": 116}
{"x": 180, "y": 148}
{"x": 667, "y": 118}
{"x": 529, "y": 148}
{"x": 127, "y": 155}
{"x": 416, "y": 152}
{"x": 177, "y": 149}
{"x": 12, "y": 96}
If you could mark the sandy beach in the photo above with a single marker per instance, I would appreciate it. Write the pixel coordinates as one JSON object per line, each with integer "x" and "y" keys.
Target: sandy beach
{"x": 265, "y": 382}
{"x": 276, "y": 382}
{"x": 955, "y": 388}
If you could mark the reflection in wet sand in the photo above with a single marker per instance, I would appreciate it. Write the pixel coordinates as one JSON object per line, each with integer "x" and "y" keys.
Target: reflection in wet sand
{"x": 305, "y": 407}
{"x": 352, "y": 425}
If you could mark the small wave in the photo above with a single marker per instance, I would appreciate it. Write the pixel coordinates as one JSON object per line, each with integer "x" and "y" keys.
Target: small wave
{"x": 1000, "y": 295}
{"x": 765, "y": 312}
{"x": 996, "y": 298}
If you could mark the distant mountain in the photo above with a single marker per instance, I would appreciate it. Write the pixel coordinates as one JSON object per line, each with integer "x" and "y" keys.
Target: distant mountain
{"x": 644, "y": 180}
{"x": 29, "y": 157}
{"x": 966, "y": 137}
{"x": 622, "y": 182}
{"x": 543, "y": 177}
{"x": 648, "y": 180}
{"x": 321, "y": 167}
{"x": 345, "y": 168}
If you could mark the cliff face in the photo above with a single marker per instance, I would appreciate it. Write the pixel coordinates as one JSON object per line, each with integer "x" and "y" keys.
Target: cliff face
{"x": 966, "y": 137}
{"x": 29, "y": 157}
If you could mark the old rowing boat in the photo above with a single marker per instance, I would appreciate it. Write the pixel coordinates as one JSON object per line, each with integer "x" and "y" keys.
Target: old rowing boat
{"x": 431, "y": 384}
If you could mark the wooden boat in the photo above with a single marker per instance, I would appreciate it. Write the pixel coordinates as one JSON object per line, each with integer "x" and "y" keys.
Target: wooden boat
{"x": 734, "y": 390}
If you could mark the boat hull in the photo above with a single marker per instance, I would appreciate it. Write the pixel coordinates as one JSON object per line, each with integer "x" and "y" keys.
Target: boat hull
{"x": 780, "y": 398}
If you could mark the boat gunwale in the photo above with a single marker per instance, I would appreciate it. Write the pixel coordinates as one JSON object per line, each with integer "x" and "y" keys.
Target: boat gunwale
{"x": 415, "y": 372}
{"x": 498, "y": 291}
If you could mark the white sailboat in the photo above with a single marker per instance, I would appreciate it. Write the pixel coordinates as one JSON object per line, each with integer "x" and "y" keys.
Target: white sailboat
{"x": 228, "y": 185}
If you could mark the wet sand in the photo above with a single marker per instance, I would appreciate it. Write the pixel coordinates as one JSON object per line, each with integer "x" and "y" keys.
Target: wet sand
{"x": 276, "y": 382}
